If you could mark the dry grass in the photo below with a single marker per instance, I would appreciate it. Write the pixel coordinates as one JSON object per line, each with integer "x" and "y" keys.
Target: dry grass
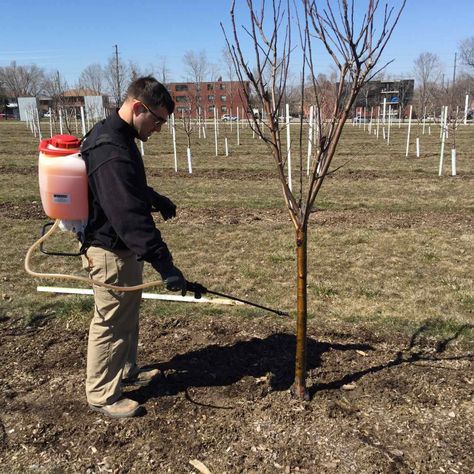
{"x": 390, "y": 247}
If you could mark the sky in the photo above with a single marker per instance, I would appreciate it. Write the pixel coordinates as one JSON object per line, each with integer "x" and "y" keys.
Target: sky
{"x": 69, "y": 35}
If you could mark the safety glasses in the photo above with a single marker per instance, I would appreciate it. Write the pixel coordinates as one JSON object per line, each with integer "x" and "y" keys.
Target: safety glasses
{"x": 159, "y": 120}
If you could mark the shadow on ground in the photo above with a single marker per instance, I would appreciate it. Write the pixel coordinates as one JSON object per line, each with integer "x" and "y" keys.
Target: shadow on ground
{"x": 215, "y": 365}
{"x": 413, "y": 353}
{"x": 273, "y": 358}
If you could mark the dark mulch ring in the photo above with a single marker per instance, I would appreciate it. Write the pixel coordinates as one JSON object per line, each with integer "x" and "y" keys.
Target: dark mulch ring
{"x": 403, "y": 405}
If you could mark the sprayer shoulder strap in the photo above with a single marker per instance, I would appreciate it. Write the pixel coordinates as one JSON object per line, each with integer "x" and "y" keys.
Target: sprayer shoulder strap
{"x": 102, "y": 139}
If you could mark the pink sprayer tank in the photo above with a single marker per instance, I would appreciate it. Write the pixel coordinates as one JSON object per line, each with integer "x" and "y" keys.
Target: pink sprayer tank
{"x": 62, "y": 178}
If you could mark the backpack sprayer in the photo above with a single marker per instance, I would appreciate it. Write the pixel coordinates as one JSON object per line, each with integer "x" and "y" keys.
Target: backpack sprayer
{"x": 64, "y": 196}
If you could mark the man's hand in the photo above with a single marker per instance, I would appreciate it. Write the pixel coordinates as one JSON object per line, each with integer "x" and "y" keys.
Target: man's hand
{"x": 163, "y": 204}
{"x": 174, "y": 280}
{"x": 196, "y": 288}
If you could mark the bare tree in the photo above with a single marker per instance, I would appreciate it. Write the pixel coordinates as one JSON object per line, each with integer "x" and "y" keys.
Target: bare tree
{"x": 117, "y": 77}
{"x": 355, "y": 50}
{"x": 21, "y": 81}
{"x": 135, "y": 70}
{"x": 163, "y": 71}
{"x": 197, "y": 66}
{"x": 231, "y": 91}
{"x": 92, "y": 78}
{"x": 427, "y": 70}
{"x": 56, "y": 86}
{"x": 3, "y": 100}
{"x": 466, "y": 49}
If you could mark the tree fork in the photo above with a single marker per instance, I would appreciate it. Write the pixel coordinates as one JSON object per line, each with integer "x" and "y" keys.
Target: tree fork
{"x": 299, "y": 389}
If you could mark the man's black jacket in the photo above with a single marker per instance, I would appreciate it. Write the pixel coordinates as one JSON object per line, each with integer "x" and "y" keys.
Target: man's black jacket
{"x": 119, "y": 197}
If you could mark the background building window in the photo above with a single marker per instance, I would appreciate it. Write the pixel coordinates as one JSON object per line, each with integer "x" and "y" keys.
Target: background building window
{"x": 223, "y": 108}
{"x": 210, "y": 87}
{"x": 210, "y": 97}
{"x": 181, "y": 87}
{"x": 181, "y": 98}
{"x": 223, "y": 98}
{"x": 211, "y": 108}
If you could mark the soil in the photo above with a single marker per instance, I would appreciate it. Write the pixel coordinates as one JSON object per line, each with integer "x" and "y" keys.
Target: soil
{"x": 377, "y": 404}
{"x": 369, "y": 219}
{"x": 245, "y": 174}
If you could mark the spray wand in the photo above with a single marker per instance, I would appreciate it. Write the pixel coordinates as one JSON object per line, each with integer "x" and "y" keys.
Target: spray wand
{"x": 195, "y": 288}
{"x": 199, "y": 290}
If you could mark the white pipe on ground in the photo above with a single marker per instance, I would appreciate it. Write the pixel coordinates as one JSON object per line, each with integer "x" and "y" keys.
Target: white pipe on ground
{"x": 145, "y": 296}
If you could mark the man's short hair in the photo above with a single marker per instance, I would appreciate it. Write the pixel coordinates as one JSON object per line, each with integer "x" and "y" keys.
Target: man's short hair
{"x": 151, "y": 92}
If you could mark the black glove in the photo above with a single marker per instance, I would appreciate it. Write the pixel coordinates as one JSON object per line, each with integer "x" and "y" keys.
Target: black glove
{"x": 171, "y": 275}
{"x": 196, "y": 288}
{"x": 163, "y": 204}
{"x": 174, "y": 280}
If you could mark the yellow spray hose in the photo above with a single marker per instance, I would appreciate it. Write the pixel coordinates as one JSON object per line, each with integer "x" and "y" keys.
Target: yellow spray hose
{"x": 89, "y": 281}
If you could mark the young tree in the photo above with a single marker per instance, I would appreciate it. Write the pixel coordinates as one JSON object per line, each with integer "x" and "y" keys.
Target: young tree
{"x": 355, "y": 46}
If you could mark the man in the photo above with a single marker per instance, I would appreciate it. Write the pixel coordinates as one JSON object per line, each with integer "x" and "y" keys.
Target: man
{"x": 120, "y": 235}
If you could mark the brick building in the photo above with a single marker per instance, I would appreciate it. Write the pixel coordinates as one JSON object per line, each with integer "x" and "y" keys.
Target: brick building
{"x": 398, "y": 95}
{"x": 221, "y": 96}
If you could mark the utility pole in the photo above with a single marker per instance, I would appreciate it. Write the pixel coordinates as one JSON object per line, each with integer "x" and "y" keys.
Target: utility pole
{"x": 454, "y": 70}
{"x": 117, "y": 75}
{"x": 453, "y": 86}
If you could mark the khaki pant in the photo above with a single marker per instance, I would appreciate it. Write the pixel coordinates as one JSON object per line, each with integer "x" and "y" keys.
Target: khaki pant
{"x": 113, "y": 333}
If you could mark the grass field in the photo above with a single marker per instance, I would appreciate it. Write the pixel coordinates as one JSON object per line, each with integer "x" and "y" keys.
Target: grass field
{"x": 390, "y": 259}
{"x": 390, "y": 243}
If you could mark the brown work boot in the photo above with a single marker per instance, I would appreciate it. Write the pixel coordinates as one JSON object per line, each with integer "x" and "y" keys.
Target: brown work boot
{"x": 142, "y": 377}
{"x": 122, "y": 408}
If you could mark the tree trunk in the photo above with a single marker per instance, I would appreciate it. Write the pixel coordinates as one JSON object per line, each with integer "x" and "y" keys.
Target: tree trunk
{"x": 299, "y": 386}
